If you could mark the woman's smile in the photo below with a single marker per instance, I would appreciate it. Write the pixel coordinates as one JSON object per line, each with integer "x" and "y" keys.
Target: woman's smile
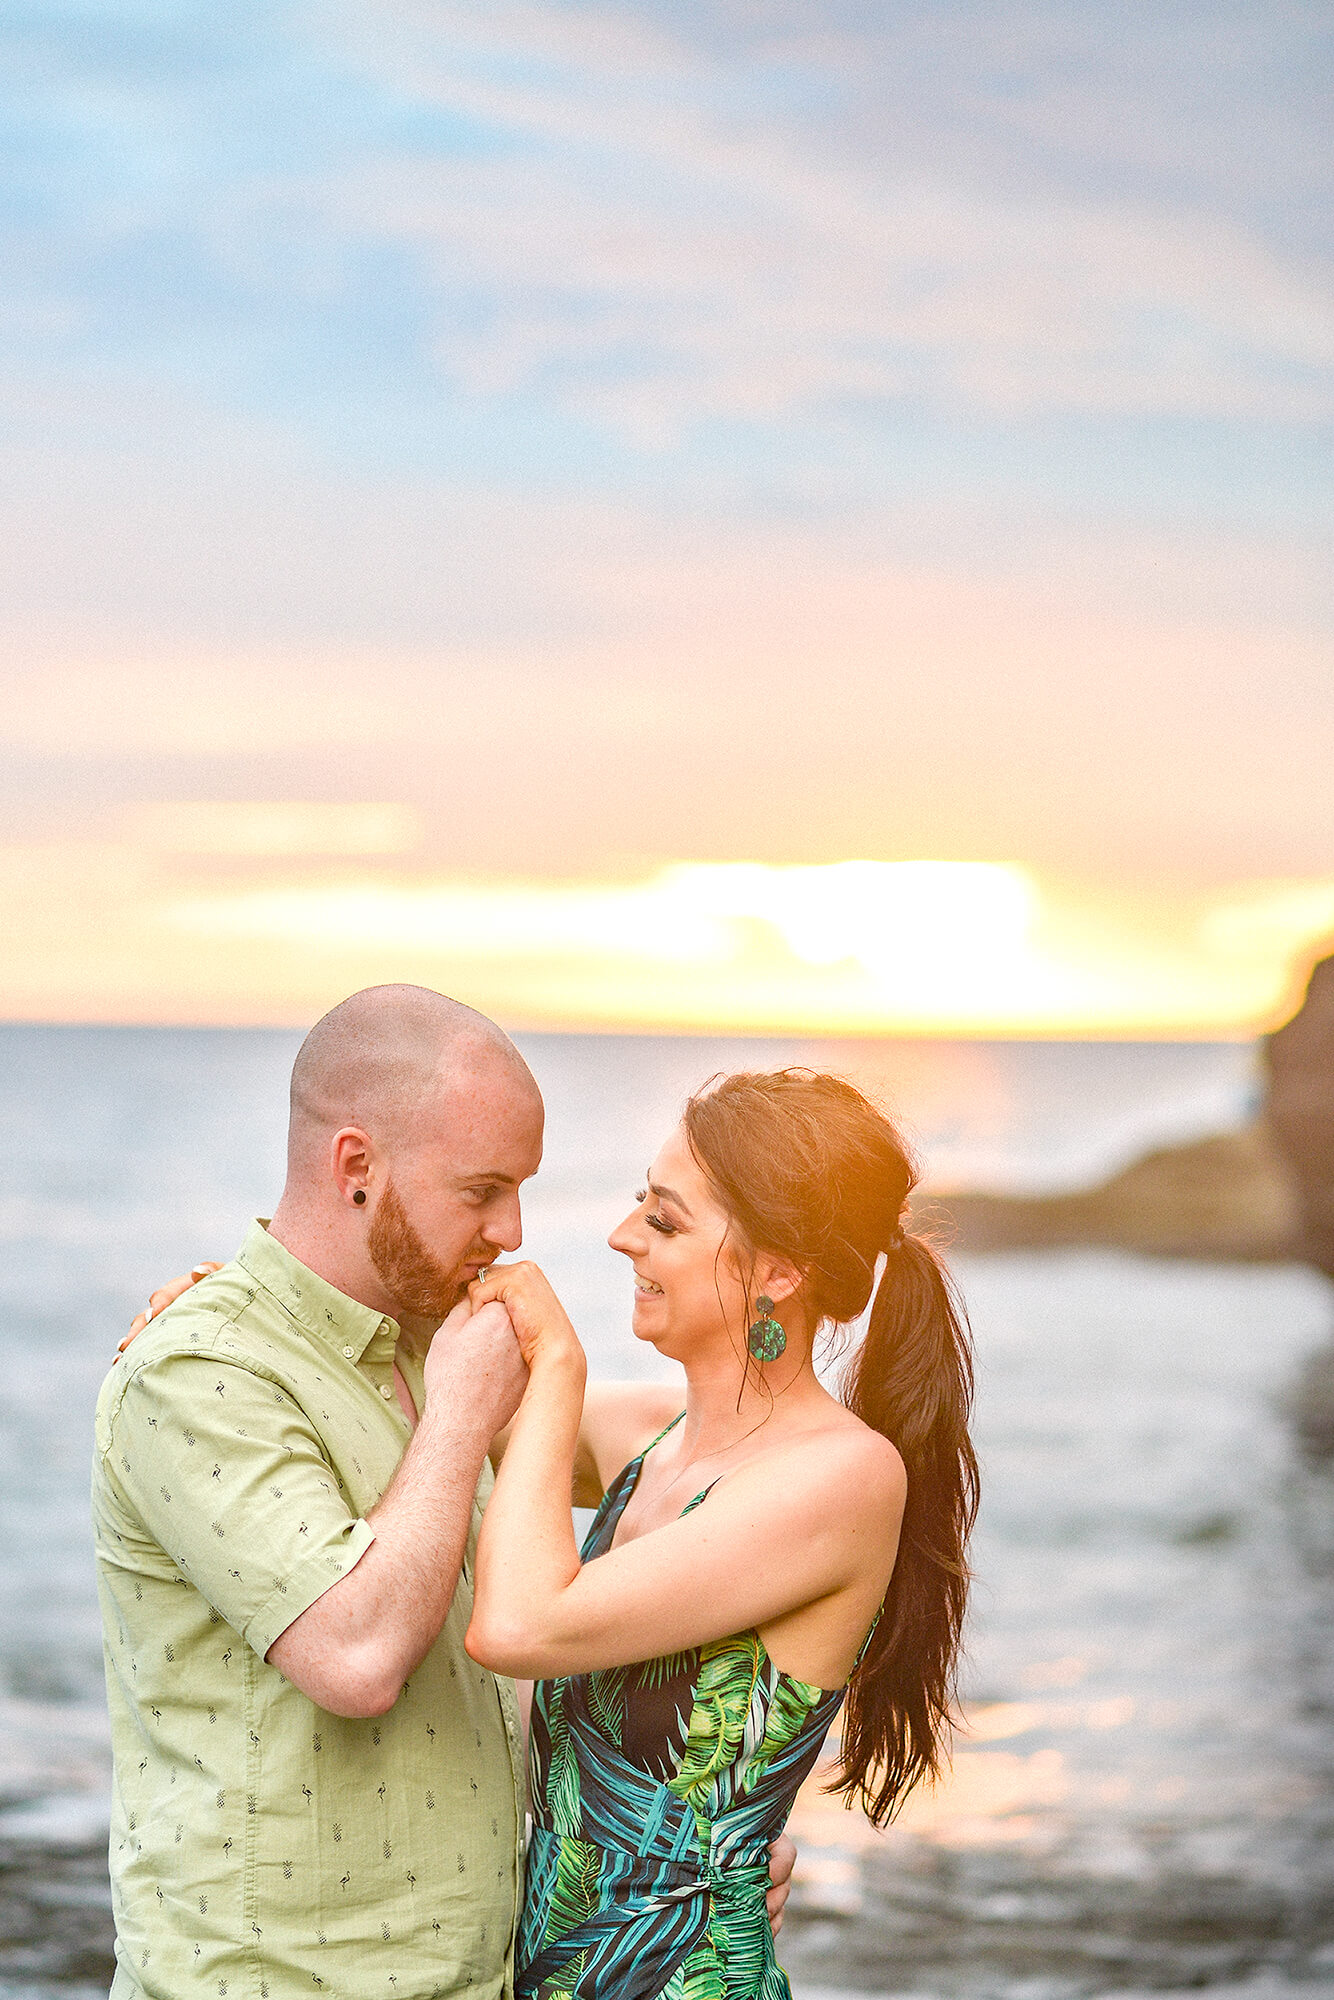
{"x": 646, "y": 1288}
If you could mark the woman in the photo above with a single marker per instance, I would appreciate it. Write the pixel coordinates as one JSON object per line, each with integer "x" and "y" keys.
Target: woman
{"x": 759, "y": 1559}
{"x": 769, "y": 1556}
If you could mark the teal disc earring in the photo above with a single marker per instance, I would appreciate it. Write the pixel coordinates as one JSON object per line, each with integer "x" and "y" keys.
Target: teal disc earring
{"x": 766, "y": 1339}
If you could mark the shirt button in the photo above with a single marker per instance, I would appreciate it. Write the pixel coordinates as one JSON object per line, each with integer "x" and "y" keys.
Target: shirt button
{"x": 348, "y": 1352}
{"x": 386, "y": 1392}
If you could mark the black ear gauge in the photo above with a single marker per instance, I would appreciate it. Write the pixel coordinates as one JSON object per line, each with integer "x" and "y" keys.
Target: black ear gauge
{"x": 359, "y": 1197}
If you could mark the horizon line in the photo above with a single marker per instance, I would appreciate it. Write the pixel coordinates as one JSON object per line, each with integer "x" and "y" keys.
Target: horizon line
{"x": 650, "y": 1032}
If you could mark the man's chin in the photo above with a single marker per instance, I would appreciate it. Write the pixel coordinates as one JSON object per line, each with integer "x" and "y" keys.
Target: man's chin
{"x": 434, "y": 1306}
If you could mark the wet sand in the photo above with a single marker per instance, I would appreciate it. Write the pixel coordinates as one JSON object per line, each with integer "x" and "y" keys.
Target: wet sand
{"x": 985, "y": 1888}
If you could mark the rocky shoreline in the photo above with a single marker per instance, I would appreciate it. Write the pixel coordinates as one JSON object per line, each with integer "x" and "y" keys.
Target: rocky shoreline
{"x": 1260, "y": 1195}
{"x": 961, "y": 1926}
{"x": 55, "y": 1918}
{"x": 1228, "y": 1197}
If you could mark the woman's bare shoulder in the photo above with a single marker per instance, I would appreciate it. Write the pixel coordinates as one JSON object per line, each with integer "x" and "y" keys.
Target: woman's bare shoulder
{"x": 843, "y": 1459}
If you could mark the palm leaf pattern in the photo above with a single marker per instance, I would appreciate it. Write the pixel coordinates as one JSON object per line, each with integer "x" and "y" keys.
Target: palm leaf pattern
{"x": 606, "y": 1701}
{"x": 645, "y": 1887}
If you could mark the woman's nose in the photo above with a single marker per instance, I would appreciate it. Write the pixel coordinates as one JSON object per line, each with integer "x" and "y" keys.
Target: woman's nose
{"x": 623, "y": 1236}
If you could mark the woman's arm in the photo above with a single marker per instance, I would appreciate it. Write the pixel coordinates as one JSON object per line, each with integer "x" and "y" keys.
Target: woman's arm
{"x": 783, "y": 1531}
{"x": 618, "y": 1420}
{"x": 805, "y": 1522}
{"x": 164, "y": 1296}
{"x": 537, "y": 1466}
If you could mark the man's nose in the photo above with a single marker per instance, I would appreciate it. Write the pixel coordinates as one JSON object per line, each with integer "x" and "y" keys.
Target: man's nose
{"x": 504, "y": 1226}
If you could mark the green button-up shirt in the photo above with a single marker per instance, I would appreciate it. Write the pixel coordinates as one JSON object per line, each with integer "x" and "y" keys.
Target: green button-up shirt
{"x": 261, "y": 1847}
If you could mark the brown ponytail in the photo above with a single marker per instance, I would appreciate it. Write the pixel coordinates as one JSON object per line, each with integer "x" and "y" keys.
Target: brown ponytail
{"x": 809, "y": 1169}
{"x": 912, "y": 1380}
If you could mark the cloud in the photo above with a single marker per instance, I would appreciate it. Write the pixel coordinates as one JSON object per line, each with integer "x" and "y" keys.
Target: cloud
{"x": 587, "y": 691}
{"x": 659, "y": 246}
{"x": 626, "y": 434}
{"x": 393, "y": 221}
{"x": 106, "y": 930}
{"x": 271, "y": 827}
{"x": 1281, "y": 919}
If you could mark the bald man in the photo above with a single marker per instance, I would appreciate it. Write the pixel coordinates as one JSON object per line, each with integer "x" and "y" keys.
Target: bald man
{"x": 316, "y": 1790}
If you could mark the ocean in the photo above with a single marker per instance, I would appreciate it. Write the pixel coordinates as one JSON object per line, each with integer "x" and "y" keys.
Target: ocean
{"x": 1143, "y": 1800}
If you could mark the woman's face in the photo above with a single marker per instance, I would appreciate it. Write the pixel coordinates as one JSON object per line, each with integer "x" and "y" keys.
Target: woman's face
{"x": 688, "y": 1291}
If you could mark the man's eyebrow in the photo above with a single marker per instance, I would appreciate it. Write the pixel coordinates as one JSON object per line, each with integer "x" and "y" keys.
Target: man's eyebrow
{"x": 668, "y": 1194}
{"x": 487, "y": 1174}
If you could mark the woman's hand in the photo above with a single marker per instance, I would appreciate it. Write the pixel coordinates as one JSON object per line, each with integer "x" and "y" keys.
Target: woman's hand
{"x": 164, "y": 1296}
{"x": 541, "y": 1325}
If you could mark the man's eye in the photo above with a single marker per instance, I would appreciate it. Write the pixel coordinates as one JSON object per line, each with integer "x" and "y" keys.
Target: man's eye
{"x": 481, "y": 1193}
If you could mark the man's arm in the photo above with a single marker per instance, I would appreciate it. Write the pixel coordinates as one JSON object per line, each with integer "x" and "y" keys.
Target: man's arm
{"x": 354, "y": 1647}
{"x": 216, "y": 1465}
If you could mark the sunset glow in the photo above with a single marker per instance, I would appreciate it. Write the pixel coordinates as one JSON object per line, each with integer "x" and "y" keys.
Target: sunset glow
{"x": 650, "y": 518}
{"x": 130, "y": 931}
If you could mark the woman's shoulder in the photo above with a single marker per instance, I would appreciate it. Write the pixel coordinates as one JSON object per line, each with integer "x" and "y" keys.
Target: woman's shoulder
{"x": 839, "y": 1458}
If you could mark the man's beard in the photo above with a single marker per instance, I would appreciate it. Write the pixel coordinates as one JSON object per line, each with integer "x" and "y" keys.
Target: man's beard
{"x": 418, "y": 1283}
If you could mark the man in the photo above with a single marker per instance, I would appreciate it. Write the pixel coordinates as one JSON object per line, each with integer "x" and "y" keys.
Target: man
{"x": 316, "y": 1790}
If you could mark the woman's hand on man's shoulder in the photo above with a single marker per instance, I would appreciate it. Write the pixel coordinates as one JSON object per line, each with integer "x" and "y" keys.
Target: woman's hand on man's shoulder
{"x": 165, "y": 1295}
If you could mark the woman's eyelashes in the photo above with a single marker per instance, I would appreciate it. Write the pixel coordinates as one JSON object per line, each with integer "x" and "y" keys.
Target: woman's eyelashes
{"x": 658, "y": 1222}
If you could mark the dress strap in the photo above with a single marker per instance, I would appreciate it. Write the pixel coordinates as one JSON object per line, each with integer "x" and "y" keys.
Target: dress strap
{"x": 615, "y": 1499}
{"x": 661, "y": 1435}
{"x": 691, "y": 1505}
{"x": 865, "y": 1646}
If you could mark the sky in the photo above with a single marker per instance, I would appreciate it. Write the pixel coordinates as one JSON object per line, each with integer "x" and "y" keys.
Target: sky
{"x": 771, "y": 515}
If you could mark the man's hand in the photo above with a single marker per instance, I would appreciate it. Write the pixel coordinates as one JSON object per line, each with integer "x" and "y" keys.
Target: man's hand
{"x": 474, "y": 1368}
{"x": 782, "y": 1856}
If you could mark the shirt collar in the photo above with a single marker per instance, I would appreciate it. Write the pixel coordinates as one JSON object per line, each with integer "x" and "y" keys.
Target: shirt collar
{"x": 329, "y": 1315}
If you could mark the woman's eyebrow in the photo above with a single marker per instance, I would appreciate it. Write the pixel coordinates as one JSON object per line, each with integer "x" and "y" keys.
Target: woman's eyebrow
{"x": 668, "y": 1194}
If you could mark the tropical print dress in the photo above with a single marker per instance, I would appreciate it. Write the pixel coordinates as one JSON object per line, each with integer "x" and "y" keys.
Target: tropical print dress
{"x": 656, "y": 1792}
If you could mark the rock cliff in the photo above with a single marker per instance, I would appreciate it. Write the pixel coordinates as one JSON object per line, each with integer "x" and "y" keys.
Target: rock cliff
{"x": 1300, "y": 1111}
{"x": 1263, "y": 1193}
{"x": 1223, "y": 1197}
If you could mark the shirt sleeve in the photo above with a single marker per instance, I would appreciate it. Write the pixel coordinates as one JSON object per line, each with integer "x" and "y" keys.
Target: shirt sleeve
{"x": 227, "y": 1474}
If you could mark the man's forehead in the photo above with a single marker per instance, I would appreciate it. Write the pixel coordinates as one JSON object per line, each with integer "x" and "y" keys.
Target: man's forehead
{"x": 490, "y": 1125}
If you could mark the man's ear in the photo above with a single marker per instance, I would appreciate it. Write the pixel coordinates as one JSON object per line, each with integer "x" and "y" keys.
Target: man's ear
{"x": 352, "y": 1162}
{"x": 777, "y": 1279}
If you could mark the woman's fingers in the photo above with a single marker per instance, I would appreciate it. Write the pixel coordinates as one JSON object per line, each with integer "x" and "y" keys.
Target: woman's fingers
{"x": 495, "y": 1283}
{"x": 164, "y": 1296}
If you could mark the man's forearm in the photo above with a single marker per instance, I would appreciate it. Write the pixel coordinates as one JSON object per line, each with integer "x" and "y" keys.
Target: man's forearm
{"x": 354, "y": 1647}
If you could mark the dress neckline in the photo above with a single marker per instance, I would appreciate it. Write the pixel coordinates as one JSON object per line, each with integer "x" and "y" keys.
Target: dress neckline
{"x": 633, "y": 1468}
